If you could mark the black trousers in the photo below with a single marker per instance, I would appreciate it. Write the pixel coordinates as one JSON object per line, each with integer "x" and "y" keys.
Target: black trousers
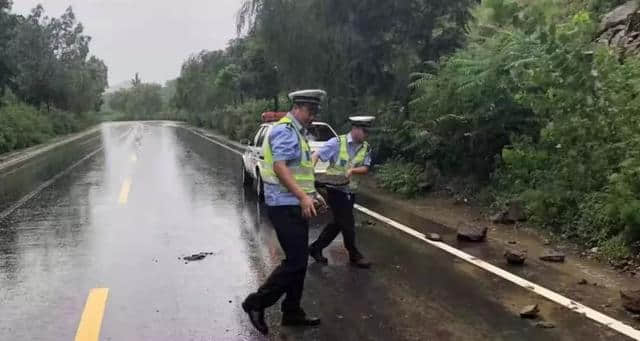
{"x": 287, "y": 279}
{"x": 341, "y": 205}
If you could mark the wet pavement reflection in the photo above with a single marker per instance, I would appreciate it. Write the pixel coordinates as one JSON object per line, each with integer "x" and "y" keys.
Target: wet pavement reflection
{"x": 125, "y": 218}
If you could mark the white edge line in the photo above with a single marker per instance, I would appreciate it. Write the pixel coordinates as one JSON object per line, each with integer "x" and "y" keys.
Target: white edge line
{"x": 43, "y": 149}
{"x": 542, "y": 291}
{"x": 48, "y": 183}
{"x": 214, "y": 141}
{"x": 579, "y": 308}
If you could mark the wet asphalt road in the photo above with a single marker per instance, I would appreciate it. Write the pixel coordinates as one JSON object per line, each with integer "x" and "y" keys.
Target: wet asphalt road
{"x": 123, "y": 219}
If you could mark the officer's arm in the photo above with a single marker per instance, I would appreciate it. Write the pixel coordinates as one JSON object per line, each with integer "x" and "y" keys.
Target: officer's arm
{"x": 327, "y": 152}
{"x": 362, "y": 170}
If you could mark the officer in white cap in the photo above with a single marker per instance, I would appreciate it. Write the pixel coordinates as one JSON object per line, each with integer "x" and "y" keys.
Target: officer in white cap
{"x": 348, "y": 155}
{"x": 289, "y": 186}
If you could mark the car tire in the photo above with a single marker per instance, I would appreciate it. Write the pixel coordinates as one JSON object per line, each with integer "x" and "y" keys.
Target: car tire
{"x": 246, "y": 177}
{"x": 259, "y": 187}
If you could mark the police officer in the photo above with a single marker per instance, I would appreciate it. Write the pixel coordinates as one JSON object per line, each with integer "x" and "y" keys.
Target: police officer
{"x": 348, "y": 155}
{"x": 289, "y": 185}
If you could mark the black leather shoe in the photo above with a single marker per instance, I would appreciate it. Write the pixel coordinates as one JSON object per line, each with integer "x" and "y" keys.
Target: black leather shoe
{"x": 257, "y": 318}
{"x": 317, "y": 256}
{"x": 360, "y": 262}
{"x": 299, "y": 320}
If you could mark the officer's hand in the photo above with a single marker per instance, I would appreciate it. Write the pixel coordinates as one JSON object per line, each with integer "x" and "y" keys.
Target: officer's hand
{"x": 349, "y": 173}
{"x": 308, "y": 209}
{"x": 320, "y": 201}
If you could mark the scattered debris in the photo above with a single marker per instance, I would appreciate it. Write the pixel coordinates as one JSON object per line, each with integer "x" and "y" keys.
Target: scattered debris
{"x": 530, "y": 311}
{"x": 197, "y": 256}
{"x": 553, "y": 256}
{"x": 515, "y": 257}
{"x": 595, "y": 250}
{"x": 512, "y": 242}
{"x": 631, "y": 300}
{"x": 583, "y": 282}
{"x": 545, "y": 324}
{"x": 434, "y": 237}
{"x": 472, "y": 233}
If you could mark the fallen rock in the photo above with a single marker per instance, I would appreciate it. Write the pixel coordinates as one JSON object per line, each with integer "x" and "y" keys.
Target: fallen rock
{"x": 553, "y": 256}
{"x": 515, "y": 257}
{"x": 434, "y": 237}
{"x": 197, "y": 256}
{"x": 619, "y": 14}
{"x": 631, "y": 300}
{"x": 545, "y": 324}
{"x": 516, "y": 211}
{"x": 333, "y": 180}
{"x": 472, "y": 233}
{"x": 530, "y": 311}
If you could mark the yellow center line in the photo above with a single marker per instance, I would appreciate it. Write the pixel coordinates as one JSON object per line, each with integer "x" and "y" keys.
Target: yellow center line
{"x": 124, "y": 191}
{"x": 91, "y": 320}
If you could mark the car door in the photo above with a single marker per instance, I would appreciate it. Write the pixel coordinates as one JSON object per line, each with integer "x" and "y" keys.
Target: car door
{"x": 252, "y": 151}
{"x": 260, "y": 141}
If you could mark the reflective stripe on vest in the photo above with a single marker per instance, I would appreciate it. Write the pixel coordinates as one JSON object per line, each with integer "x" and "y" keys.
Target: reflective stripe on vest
{"x": 345, "y": 162}
{"x": 302, "y": 173}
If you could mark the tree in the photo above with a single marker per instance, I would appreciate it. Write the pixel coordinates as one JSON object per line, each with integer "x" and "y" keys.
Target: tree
{"x": 136, "y": 81}
{"x": 7, "y": 25}
{"x": 51, "y": 61}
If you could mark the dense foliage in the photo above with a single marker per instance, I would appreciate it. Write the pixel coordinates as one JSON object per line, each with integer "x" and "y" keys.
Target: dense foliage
{"x": 49, "y": 81}
{"x": 536, "y": 109}
{"x": 142, "y": 101}
{"x": 362, "y": 53}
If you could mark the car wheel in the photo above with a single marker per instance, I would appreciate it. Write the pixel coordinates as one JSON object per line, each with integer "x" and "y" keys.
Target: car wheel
{"x": 259, "y": 187}
{"x": 246, "y": 177}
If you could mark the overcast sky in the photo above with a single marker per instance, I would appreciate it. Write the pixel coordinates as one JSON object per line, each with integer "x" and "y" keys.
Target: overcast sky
{"x": 152, "y": 37}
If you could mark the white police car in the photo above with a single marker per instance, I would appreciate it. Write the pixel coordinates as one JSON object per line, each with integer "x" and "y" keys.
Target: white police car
{"x": 318, "y": 134}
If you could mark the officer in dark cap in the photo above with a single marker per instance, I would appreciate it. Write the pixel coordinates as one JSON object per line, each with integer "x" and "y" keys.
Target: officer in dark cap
{"x": 290, "y": 195}
{"x": 348, "y": 155}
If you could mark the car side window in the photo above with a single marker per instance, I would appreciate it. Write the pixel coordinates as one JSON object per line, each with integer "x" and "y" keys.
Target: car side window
{"x": 258, "y": 138}
{"x": 261, "y": 137}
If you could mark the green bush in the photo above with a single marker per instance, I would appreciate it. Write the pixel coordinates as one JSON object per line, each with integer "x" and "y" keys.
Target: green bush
{"x": 22, "y": 126}
{"x": 400, "y": 176}
{"x": 237, "y": 122}
{"x": 536, "y": 107}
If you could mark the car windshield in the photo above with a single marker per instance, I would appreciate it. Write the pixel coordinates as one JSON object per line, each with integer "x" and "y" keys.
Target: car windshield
{"x": 319, "y": 133}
